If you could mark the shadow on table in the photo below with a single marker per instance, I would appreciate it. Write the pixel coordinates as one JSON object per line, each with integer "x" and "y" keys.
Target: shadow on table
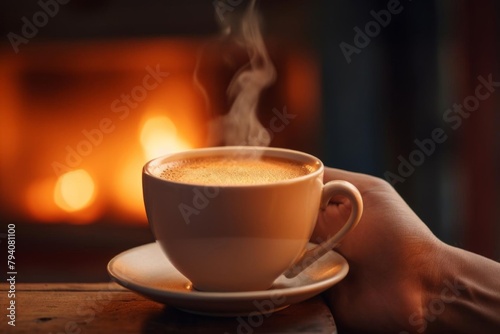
{"x": 307, "y": 317}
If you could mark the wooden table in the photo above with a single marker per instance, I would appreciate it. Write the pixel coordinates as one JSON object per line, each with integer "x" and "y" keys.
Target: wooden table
{"x": 109, "y": 308}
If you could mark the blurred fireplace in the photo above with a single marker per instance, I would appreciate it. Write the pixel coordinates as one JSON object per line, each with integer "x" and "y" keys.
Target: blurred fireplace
{"x": 83, "y": 117}
{"x": 80, "y": 120}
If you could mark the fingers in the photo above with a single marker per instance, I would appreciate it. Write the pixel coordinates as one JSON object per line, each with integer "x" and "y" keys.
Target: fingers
{"x": 340, "y": 174}
{"x": 329, "y": 223}
{"x": 359, "y": 180}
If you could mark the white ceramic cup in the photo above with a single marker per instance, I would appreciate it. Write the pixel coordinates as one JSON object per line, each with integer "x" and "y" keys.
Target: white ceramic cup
{"x": 243, "y": 237}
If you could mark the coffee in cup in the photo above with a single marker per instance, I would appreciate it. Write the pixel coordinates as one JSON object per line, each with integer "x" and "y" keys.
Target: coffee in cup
{"x": 234, "y": 170}
{"x": 236, "y": 218}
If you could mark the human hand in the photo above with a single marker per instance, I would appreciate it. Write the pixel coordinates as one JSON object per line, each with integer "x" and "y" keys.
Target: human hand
{"x": 389, "y": 256}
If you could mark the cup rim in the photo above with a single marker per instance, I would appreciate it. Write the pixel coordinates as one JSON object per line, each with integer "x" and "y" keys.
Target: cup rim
{"x": 287, "y": 153}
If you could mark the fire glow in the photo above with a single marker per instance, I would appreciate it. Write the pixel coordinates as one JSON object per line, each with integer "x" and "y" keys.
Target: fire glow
{"x": 74, "y": 190}
{"x": 74, "y": 193}
{"x": 56, "y": 90}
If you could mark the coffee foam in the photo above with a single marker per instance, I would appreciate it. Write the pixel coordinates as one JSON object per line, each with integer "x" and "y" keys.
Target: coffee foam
{"x": 222, "y": 171}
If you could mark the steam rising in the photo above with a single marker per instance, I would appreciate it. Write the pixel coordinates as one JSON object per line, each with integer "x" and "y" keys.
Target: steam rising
{"x": 241, "y": 125}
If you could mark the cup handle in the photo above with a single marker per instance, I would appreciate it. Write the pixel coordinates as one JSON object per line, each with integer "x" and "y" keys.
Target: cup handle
{"x": 330, "y": 189}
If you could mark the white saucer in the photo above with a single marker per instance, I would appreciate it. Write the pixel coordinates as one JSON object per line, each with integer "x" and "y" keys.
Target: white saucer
{"x": 147, "y": 271}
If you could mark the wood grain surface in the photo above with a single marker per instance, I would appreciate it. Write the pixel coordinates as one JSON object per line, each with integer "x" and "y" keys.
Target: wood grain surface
{"x": 74, "y": 308}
